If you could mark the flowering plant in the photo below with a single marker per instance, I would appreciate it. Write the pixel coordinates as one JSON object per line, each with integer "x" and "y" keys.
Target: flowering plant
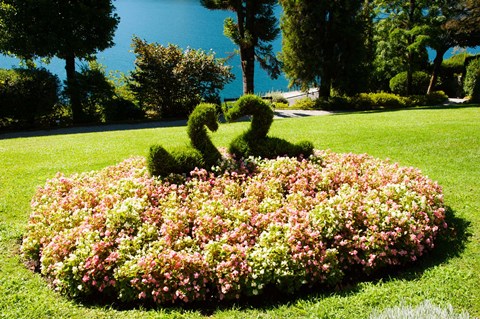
{"x": 230, "y": 232}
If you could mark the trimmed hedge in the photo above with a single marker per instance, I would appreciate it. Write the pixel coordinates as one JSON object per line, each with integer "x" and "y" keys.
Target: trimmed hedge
{"x": 201, "y": 153}
{"x": 421, "y": 80}
{"x": 255, "y": 142}
{"x": 376, "y": 101}
{"x": 472, "y": 81}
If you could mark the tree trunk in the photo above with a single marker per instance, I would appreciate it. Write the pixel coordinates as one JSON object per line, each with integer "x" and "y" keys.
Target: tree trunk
{"x": 410, "y": 74}
{"x": 247, "y": 56}
{"x": 410, "y": 57}
{"x": 325, "y": 87}
{"x": 437, "y": 63}
{"x": 247, "y": 46}
{"x": 73, "y": 88}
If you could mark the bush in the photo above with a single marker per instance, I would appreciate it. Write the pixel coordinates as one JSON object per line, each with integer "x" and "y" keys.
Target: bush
{"x": 305, "y": 103}
{"x": 283, "y": 223}
{"x": 120, "y": 109}
{"x": 172, "y": 81}
{"x": 378, "y": 100}
{"x": 451, "y": 73}
{"x": 28, "y": 97}
{"x": 99, "y": 99}
{"x": 434, "y": 98}
{"x": 472, "y": 81}
{"x": 277, "y": 97}
{"x": 421, "y": 80}
{"x": 281, "y": 106}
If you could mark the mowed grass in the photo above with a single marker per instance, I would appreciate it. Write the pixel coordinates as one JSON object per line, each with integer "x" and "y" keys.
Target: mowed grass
{"x": 443, "y": 143}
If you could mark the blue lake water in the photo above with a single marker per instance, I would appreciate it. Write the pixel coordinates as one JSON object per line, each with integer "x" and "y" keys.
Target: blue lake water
{"x": 182, "y": 22}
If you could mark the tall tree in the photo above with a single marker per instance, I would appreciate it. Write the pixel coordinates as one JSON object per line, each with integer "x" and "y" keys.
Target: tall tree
{"x": 406, "y": 23}
{"x": 452, "y": 23}
{"x": 323, "y": 42}
{"x": 253, "y": 31}
{"x": 67, "y": 29}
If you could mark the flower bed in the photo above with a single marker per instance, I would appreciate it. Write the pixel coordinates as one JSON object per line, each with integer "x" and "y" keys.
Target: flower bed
{"x": 255, "y": 223}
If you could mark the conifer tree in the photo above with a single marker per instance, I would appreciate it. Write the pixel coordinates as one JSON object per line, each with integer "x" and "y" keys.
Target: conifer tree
{"x": 253, "y": 31}
{"x": 324, "y": 43}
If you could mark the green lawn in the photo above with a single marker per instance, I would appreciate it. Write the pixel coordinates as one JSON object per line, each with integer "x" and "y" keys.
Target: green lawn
{"x": 443, "y": 143}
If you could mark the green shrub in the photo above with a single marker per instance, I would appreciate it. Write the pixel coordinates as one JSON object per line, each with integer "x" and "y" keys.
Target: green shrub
{"x": 374, "y": 101}
{"x": 305, "y": 103}
{"x": 434, "y": 98}
{"x": 421, "y": 80}
{"x": 451, "y": 74}
{"x": 28, "y": 96}
{"x": 334, "y": 103}
{"x": 386, "y": 100}
{"x": 281, "y": 106}
{"x": 172, "y": 81}
{"x": 161, "y": 162}
{"x": 437, "y": 97}
{"x": 120, "y": 109}
{"x": 269, "y": 147}
{"x": 277, "y": 97}
{"x": 472, "y": 81}
{"x": 456, "y": 63}
{"x": 101, "y": 99}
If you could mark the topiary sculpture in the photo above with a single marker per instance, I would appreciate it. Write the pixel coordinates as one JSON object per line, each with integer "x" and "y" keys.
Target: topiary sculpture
{"x": 204, "y": 116}
{"x": 199, "y": 154}
{"x": 255, "y": 142}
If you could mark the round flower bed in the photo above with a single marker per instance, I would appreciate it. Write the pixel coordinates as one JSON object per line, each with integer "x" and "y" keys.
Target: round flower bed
{"x": 232, "y": 232}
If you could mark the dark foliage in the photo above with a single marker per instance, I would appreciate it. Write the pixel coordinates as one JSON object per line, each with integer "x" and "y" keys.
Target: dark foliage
{"x": 27, "y": 97}
{"x": 420, "y": 82}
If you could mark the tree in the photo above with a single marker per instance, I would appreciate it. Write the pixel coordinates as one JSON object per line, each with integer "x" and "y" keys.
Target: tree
{"x": 406, "y": 24}
{"x": 58, "y": 28}
{"x": 254, "y": 29}
{"x": 172, "y": 81}
{"x": 452, "y": 23}
{"x": 324, "y": 43}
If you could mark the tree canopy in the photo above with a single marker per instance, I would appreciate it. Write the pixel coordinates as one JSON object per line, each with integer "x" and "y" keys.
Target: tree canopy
{"x": 172, "y": 81}
{"x": 452, "y": 23}
{"x": 253, "y": 31}
{"x": 57, "y": 28}
{"x": 324, "y": 42}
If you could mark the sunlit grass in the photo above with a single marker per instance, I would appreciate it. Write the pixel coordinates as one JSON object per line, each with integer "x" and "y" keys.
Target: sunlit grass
{"x": 443, "y": 143}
